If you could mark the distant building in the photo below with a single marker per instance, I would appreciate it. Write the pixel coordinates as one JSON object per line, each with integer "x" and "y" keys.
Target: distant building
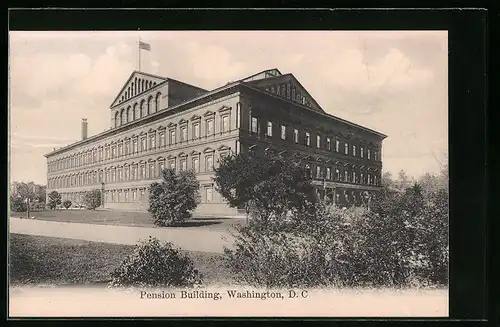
{"x": 159, "y": 122}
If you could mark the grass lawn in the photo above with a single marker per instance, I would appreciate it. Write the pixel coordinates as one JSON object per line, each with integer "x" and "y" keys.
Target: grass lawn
{"x": 39, "y": 260}
{"x": 122, "y": 218}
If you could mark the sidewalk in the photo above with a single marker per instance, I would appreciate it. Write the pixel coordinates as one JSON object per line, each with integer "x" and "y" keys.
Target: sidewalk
{"x": 189, "y": 240}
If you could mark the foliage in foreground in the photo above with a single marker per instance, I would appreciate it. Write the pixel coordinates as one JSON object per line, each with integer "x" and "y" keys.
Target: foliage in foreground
{"x": 172, "y": 201}
{"x": 402, "y": 241}
{"x": 54, "y": 199}
{"x": 266, "y": 185}
{"x": 92, "y": 199}
{"x": 67, "y": 204}
{"x": 155, "y": 264}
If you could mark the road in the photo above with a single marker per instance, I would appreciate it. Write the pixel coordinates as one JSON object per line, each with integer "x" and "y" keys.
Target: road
{"x": 202, "y": 240}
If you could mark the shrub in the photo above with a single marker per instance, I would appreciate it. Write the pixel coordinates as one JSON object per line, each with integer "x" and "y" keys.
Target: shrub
{"x": 172, "y": 200}
{"x": 67, "y": 204}
{"x": 92, "y": 199}
{"x": 54, "y": 199}
{"x": 156, "y": 264}
{"x": 17, "y": 204}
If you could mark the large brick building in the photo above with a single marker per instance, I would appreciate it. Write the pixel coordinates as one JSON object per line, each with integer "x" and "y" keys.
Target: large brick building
{"x": 159, "y": 122}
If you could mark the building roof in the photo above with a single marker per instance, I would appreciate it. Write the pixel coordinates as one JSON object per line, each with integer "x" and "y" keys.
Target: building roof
{"x": 247, "y": 82}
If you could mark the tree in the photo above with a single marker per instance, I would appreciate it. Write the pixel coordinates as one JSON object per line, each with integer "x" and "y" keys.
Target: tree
{"x": 172, "y": 200}
{"x": 92, "y": 199}
{"x": 67, "y": 204}
{"x": 269, "y": 184}
{"x": 54, "y": 199}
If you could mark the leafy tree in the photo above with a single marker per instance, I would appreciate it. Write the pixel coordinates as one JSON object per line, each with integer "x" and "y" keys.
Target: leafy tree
{"x": 172, "y": 200}
{"x": 67, "y": 204}
{"x": 54, "y": 199}
{"x": 267, "y": 185}
{"x": 92, "y": 199}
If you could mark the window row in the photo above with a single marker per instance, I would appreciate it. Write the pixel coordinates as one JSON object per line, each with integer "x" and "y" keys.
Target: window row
{"x": 137, "y": 111}
{"x": 289, "y": 91}
{"x": 136, "y": 172}
{"x": 171, "y": 135}
{"x": 138, "y": 86}
{"x": 348, "y": 175}
{"x": 327, "y": 143}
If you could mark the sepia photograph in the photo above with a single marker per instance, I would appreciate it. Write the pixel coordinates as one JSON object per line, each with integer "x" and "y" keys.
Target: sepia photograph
{"x": 228, "y": 173}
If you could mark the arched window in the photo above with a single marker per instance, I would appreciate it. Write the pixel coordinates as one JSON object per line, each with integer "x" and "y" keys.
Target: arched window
{"x": 130, "y": 114}
{"x": 150, "y": 109}
{"x": 133, "y": 89}
{"x": 157, "y": 102}
{"x": 117, "y": 119}
{"x": 150, "y": 84}
{"x": 123, "y": 118}
{"x": 137, "y": 111}
{"x": 142, "y": 85}
{"x": 144, "y": 109}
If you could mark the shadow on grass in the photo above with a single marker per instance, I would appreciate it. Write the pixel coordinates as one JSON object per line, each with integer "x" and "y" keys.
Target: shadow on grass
{"x": 192, "y": 223}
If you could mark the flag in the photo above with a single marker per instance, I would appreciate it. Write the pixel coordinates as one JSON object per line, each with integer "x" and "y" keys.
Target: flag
{"x": 144, "y": 46}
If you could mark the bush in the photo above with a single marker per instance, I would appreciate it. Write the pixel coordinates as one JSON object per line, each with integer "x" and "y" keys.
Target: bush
{"x": 17, "y": 204}
{"x": 54, "y": 199}
{"x": 172, "y": 200}
{"x": 92, "y": 199}
{"x": 155, "y": 264}
{"x": 67, "y": 204}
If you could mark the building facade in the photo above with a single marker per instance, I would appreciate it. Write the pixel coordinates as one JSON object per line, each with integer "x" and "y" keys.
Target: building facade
{"x": 158, "y": 122}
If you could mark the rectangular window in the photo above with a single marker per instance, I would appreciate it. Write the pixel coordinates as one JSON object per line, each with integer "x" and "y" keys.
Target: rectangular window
{"x": 346, "y": 148}
{"x": 318, "y": 172}
{"x": 196, "y": 130}
{"x": 255, "y": 123}
{"x": 184, "y": 134}
{"x": 269, "y": 128}
{"x": 354, "y": 150}
{"x": 113, "y": 175}
{"x": 142, "y": 194}
{"x": 134, "y": 195}
{"x": 183, "y": 164}
{"x": 152, "y": 142}
{"x": 209, "y": 164}
{"x": 196, "y": 164}
{"x": 369, "y": 154}
{"x": 337, "y": 145}
{"x": 126, "y": 195}
{"x": 143, "y": 144}
{"x": 127, "y": 148}
{"x": 152, "y": 171}
{"x": 161, "y": 141}
{"x": 283, "y": 132}
{"x": 296, "y": 135}
{"x": 120, "y": 150}
{"x": 127, "y": 173}
{"x": 135, "y": 146}
{"x": 328, "y": 173}
{"x": 162, "y": 167}
{"x": 328, "y": 144}
{"x": 210, "y": 127}
{"x": 143, "y": 172}
{"x": 120, "y": 175}
{"x": 308, "y": 139}
{"x": 375, "y": 155}
{"x": 362, "y": 152}
{"x": 225, "y": 123}
{"x": 172, "y": 137}
{"x": 209, "y": 195}
{"x": 318, "y": 141}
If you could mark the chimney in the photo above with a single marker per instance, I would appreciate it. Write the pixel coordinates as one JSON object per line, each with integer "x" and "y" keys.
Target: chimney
{"x": 84, "y": 128}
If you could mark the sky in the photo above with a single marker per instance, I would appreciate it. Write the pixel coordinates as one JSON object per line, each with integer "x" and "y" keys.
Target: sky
{"x": 395, "y": 82}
